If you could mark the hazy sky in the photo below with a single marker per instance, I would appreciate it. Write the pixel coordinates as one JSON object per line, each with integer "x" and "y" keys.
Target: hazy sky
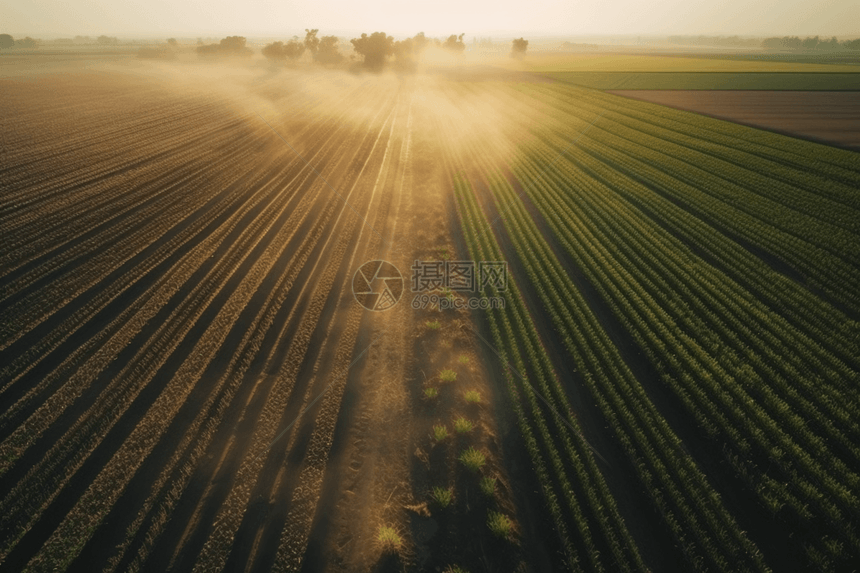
{"x": 142, "y": 18}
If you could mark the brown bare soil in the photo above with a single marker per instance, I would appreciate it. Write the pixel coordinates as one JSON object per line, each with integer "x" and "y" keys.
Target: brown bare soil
{"x": 827, "y": 117}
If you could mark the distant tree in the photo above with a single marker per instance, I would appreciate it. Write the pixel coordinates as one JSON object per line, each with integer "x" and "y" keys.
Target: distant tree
{"x": 375, "y": 49}
{"x": 404, "y": 54}
{"x": 27, "y": 43}
{"x": 294, "y": 49}
{"x": 274, "y": 51}
{"x": 420, "y": 42}
{"x": 810, "y": 43}
{"x": 518, "y": 49}
{"x": 172, "y": 42}
{"x": 208, "y": 50}
{"x": 312, "y": 43}
{"x": 789, "y": 43}
{"x": 852, "y": 44}
{"x": 455, "y": 44}
{"x": 328, "y": 52}
{"x": 280, "y": 52}
{"x": 83, "y": 39}
{"x": 107, "y": 40}
{"x": 6, "y": 41}
{"x": 792, "y": 42}
{"x": 229, "y": 46}
{"x": 407, "y": 51}
{"x": 232, "y": 44}
{"x": 771, "y": 43}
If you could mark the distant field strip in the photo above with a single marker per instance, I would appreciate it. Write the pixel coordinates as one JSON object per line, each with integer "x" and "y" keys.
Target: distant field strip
{"x": 829, "y": 117}
{"x": 710, "y": 80}
{"x": 636, "y": 63}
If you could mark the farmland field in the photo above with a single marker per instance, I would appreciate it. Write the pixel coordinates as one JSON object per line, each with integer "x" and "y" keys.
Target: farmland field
{"x": 693, "y": 63}
{"x": 828, "y": 117}
{"x": 189, "y": 383}
{"x": 795, "y": 81}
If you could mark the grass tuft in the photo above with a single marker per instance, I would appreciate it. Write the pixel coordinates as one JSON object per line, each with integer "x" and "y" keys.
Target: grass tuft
{"x": 442, "y": 496}
{"x": 431, "y": 392}
{"x": 500, "y": 524}
{"x": 448, "y": 375}
{"x": 433, "y": 324}
{"x": 473, "y": 459}
{"x": 472, "y": 397}
{"x": 488, "y": 486}
{"x": 389, "y": 539}
{"x": 462, "y": 425}
{"x": 463, "y": 359}
{"x": 440, "y": 433}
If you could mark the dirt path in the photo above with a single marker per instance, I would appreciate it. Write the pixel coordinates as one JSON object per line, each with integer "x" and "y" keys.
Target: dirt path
{"x": 383, "y": 462}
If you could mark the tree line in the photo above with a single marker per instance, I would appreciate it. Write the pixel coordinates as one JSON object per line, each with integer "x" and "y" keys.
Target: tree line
{"x": 773, "y": 43}
{"x": 809, "y": 43}
{"x": 8, "y": 42}
{"x": 376, "y": 50}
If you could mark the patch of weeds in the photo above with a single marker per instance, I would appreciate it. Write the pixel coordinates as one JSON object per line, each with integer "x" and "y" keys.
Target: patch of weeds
{"x": 442, "y": 496}
{"x": 473, "y": 459}
{"x": 389, "y": 539}
{"x": 462, "y": 425}
{"x": 447, "y": 375}
{"x": 433, "y": 324}
{"x": 463, "y": 359}
{"x": 444, "y": 254}
{"x": 455, "y": 569}
{"x": 500, "y": 524}
{"x": 431, "y": 393}
{"x": 488, "y": 486}
{"x": 472, "y": 397}
{"x": 440, "y": 433}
